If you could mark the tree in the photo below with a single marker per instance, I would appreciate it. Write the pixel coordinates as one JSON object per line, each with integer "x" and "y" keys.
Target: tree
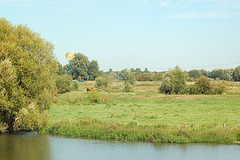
{"x": 138, "y": 71}
{"x": 216, "y": 73}
{"x": 93, "y": 70}
{"x": 236, "y": 74}
{"x": 79, "y": 66}
{"x": 194, "y": 74}
{"x": 27, "y": 70}
{"x": 60, "y": 70}
{"x": 175, "y": 80}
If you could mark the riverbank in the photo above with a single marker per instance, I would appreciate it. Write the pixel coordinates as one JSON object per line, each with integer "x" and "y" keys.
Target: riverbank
{"x": 134, "y": 132}
{"x": 145, "y": 115}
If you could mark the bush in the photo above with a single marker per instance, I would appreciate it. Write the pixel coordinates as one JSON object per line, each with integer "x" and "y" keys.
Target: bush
{"x": 74, "y": 86}
{"x": 165, "y": 85}
{"x": 203, "y": 86}
{"x": 94, "y": 96}
{"x": 30, "y": 119}
{"x": 101, "y": 82}
{"x": 219, "y": 87}
{"x": 175, "y": 80}
{"x": 128, "y": 88}
{"x": 63, "y": 83}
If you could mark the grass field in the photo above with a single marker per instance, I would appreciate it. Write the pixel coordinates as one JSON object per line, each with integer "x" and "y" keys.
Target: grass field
{"x": 145, "y": 110}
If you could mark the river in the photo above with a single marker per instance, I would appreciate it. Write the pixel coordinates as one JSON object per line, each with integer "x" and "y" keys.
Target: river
{"x": 46, "y": 147}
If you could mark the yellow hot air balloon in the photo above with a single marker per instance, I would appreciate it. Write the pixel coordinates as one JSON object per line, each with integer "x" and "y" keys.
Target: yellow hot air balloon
{"x": 69, "y": 56}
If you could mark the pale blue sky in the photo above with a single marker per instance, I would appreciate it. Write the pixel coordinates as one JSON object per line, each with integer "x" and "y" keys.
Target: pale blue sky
{"x": 157, "y": 34}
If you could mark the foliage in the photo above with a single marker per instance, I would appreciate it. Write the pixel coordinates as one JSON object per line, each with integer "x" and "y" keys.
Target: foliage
{"x": 236, "y": 74}
{"x": 222, "y": 74}
{"x": 219, "y": 87}
{"x": 130, "y": 79}
{"x": 94, "y": 96}
{"x": 93, "y": 70}
{"x": 175, "y": 80}
{"x": 60, "y": 70}
{"x": 194, "y": 73}
{"x": 128, "y": 87}
{"x": 81, "y": 66}
{"x": 143, "y": 77}
{"x": 30, "y": 119}
{"x": 63, "y": 83}
{"x": 102, "y": 82}
{"x": 74, "y": 86}
{"x": 166, "y": 85}
{"x": 203, "y": 86}
{"x": 27, "y": 70}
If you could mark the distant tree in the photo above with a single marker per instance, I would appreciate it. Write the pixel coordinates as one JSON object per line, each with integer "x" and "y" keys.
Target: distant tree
{"x": 93, "y": 70}
{"x": 236, "y": 74}
{"x": 130, "y": 79}
{"x": 203, "y": 72}
{"x": 228, "y": 74}
{"x": 138, "y": 71}
{"x": 194, "y": 74}
{"x": 146, "y": 70}
{"x": 175, "y": 79}
{"x": 60, "y": 70}
{"x": 132, "y": 70}
{"x": 216, "y": 73}
{"x": 27, "y": 71}
{"x": 80, "y": 66}
{"x": 122, "y": 75}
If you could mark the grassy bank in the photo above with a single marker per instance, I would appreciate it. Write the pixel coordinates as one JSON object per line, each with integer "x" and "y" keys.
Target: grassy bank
{"x": 146, "y": 115}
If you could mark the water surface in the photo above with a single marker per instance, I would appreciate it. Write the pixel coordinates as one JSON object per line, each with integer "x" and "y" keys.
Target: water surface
{"x": 45, "y": 147}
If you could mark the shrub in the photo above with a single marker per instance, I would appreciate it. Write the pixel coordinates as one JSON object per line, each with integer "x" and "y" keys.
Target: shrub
{"x": 128, "y": 88}
{"x": 30, "y": 119}
{"x": 219, "y": 87}
{"x": 74, "y": 86}
{"x": 63, "y": 83}
{"x": 94, "y": 96}
{"x": 165, "y": 85}
{"x": 101, "y": 82}
{"x": 203, "y": 86}
{"x": 175, "y": 80}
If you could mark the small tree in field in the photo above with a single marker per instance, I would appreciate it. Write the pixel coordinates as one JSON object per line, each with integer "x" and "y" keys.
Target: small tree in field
{"x": 175, "y": 80}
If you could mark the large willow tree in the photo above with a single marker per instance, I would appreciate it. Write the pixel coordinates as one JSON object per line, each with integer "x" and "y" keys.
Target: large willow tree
{"x": 27, "y": 69}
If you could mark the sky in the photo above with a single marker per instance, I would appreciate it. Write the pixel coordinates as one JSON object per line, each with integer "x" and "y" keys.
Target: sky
{"x": 153, "y": 34}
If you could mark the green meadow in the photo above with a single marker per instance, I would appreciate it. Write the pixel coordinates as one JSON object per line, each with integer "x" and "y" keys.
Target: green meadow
{"x": 146, "y": 115}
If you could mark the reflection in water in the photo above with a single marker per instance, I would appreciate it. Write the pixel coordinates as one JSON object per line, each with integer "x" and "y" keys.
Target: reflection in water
{"x": 44, "y": 147}
{"x": 24, "y": 147}
{"x": 71, "y": 149}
